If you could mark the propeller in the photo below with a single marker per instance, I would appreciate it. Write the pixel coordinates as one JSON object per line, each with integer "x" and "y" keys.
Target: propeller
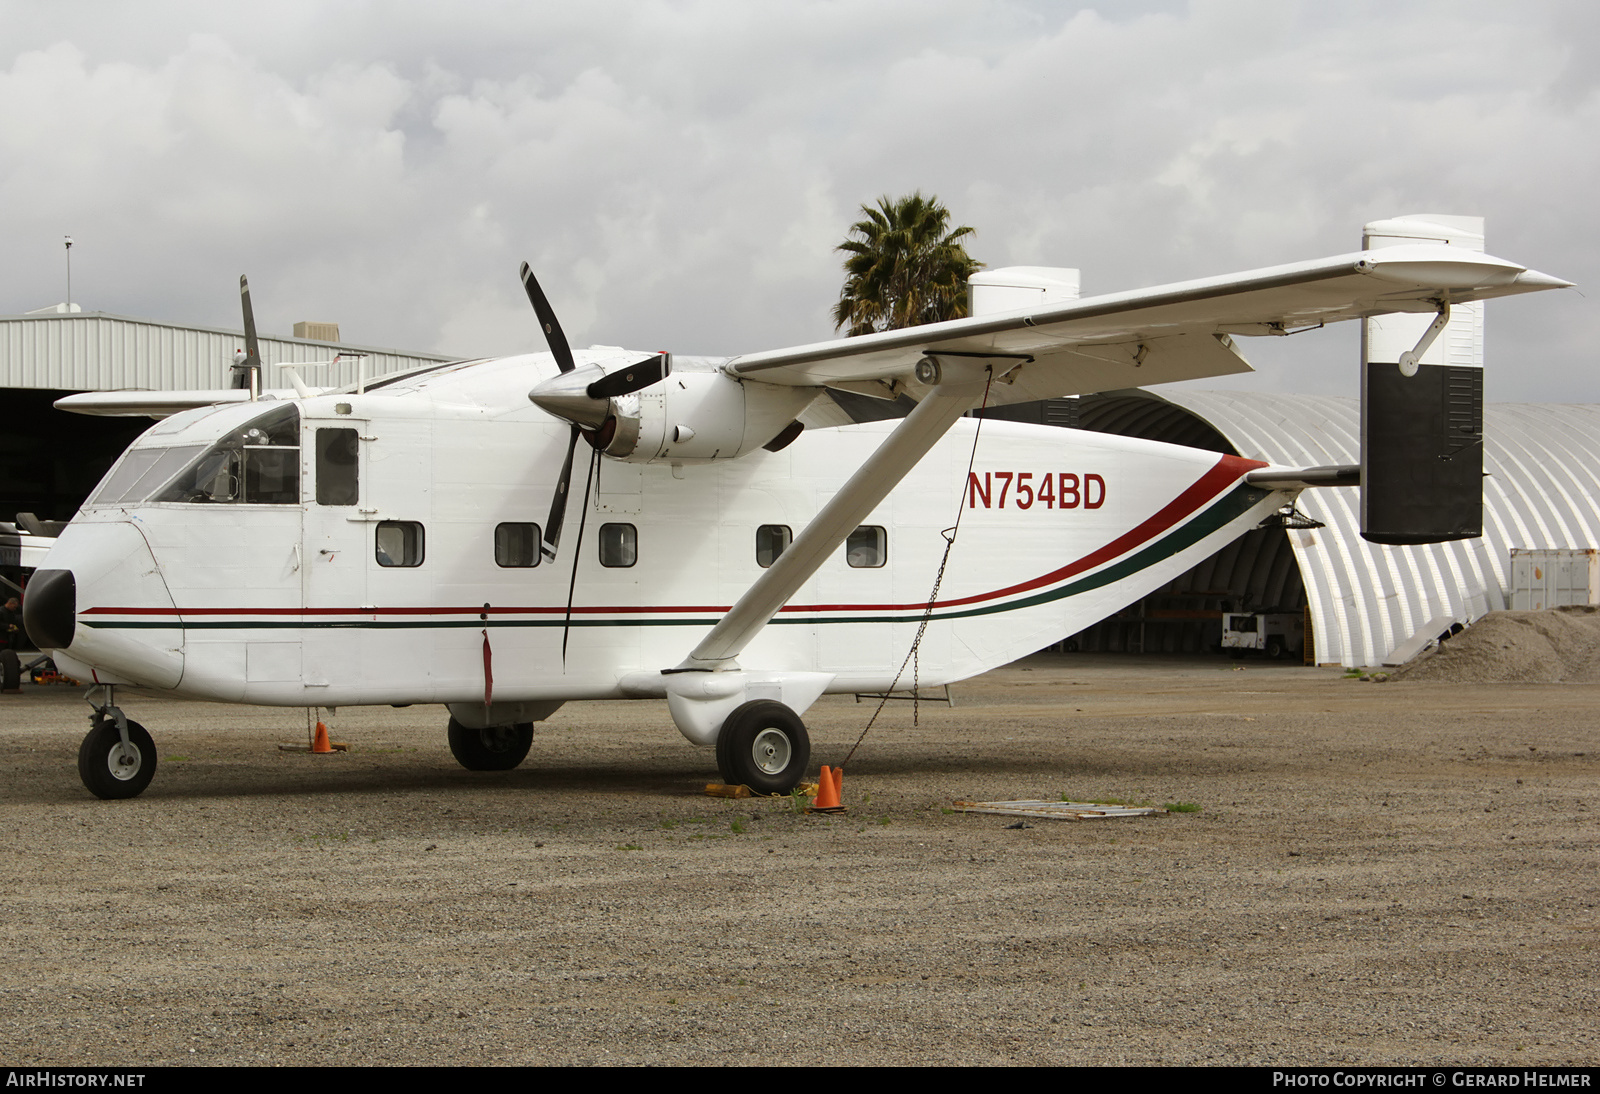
{"x": 570, "y": 398}
{"x": 583, "y": 404}
{"x": 625, "y": 381}
{"x": 562, "y": 352}
{"x": 547, "y": 319}
{"x": 250, "y": 367}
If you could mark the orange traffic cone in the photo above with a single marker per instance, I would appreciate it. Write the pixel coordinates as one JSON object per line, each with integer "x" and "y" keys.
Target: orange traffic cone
{"x": 320, "y": 742}
{"x": 830, "y": 785}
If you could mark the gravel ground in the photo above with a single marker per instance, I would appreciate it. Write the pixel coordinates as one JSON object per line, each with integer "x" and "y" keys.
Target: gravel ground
{"x": 1378, "y": 873}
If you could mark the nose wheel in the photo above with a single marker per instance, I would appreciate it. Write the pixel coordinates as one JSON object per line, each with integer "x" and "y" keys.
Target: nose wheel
{"x": 763, "y": 745}
{"x": 112, "y": 768}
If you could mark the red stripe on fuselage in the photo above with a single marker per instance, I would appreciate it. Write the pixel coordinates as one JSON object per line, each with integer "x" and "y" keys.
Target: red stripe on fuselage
{"x": 1227, "y": 471}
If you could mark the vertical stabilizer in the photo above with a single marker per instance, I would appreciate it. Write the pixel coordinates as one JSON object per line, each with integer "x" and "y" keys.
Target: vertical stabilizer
{"x": 1422, "y": 413}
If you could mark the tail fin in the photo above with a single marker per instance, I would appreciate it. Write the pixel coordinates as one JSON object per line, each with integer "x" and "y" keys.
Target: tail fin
{"x": 1422, "y": 414}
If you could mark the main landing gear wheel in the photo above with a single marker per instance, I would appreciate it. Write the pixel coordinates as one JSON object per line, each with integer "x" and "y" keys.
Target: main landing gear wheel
{"x": 763, "y": 745}
{"x": 494, "y": 748}
{"x": 111, "y": 769}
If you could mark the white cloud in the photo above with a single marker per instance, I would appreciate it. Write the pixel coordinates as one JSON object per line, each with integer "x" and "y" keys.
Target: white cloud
{"x": 679, "y": 173}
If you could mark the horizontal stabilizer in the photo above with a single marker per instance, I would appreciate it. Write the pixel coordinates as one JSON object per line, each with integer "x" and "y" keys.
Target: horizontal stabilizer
{"x": 1300, "y": 478}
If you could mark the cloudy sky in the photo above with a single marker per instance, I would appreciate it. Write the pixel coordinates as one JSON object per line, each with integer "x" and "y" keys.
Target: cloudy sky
{"x": 679, "y": 174}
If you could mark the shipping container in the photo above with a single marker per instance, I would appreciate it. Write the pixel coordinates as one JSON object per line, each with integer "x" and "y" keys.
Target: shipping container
{"x": 1554, "y": 577}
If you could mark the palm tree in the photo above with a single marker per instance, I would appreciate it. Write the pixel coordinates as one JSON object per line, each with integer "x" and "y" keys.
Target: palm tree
{"x": 906, "y": 266}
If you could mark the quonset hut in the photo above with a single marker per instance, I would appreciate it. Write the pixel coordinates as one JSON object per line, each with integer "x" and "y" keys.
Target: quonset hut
{"x": 1364, "y": 600}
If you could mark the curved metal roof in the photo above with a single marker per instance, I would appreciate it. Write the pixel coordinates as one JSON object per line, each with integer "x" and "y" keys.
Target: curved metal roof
{"x": 1542, "y": 490}
{"x": 96, "y": 351}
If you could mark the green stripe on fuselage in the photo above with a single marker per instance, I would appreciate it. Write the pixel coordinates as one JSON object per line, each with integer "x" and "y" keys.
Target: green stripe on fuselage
{"x": 1229, "y": 507}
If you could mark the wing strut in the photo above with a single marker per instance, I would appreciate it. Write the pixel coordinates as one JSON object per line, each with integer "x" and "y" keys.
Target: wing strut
{"x": 959, "y": 388}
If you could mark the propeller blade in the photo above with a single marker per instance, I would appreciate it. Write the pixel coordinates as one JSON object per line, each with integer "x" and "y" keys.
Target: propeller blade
{"x": 625, "y": 381}
{"x": 252, "y": 349}
{"x": 547, "y": 319}
{"x": 558, "y": 504}
{"x": 572, "y": 584}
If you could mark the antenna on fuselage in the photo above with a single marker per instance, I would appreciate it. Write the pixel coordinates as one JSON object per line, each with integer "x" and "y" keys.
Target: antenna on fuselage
{"x": 304, "y": 392}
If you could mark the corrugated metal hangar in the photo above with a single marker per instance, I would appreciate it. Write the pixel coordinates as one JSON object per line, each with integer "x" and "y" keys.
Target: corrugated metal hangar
{"x": 50, "y": 460}
{"x": 1541, "y": 485}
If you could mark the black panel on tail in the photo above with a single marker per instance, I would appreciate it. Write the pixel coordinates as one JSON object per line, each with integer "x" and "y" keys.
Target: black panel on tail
{"x": 1421, "y": 453}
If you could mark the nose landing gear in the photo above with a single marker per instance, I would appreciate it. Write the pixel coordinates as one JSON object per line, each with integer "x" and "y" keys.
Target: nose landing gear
{"x": 117, "y": 758}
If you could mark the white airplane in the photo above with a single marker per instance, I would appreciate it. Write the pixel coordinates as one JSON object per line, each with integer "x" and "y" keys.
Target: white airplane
{"x": 420, "y": 538}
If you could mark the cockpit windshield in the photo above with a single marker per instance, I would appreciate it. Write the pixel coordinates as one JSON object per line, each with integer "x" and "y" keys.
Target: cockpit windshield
{"x": 257, "y": 463}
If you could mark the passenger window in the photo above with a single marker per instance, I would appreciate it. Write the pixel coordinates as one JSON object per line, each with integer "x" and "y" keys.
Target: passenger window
{"x": 338, "y": 455}
{"x": 619, "y": 545}
{"x": 867, "y": 547}
{"x": 399, "y": 543}
{"x": 771, "y": 541}
{"x": 516, "y": 544}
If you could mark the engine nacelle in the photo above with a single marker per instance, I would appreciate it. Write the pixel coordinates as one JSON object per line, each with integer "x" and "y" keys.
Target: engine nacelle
{"x": 693, "y": 417}
{"x": 688, "y": 416}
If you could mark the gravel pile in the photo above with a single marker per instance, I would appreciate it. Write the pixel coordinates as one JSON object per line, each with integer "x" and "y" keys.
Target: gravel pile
{"x": 1561, "y": 645}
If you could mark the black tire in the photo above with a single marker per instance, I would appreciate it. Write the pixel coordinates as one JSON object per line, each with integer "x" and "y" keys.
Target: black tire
{"x": 106, "y": 771}
{"x": 763, "y": 745}
{"x": 497, "y": 748}
{"x": 1274, "y": 649}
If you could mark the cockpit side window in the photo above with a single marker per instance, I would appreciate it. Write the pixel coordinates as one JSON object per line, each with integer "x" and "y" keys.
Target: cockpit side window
{"x": 338, "y": 467}
{"x": 142, "y": 470}
{"x": 257, "y": 463}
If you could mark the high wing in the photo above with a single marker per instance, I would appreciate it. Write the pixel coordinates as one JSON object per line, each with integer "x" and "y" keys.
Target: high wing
{"x": 154, "y": 404}
{"x": 1130, "y": 339}
{"x": 164, "y": 404}
{"x": 1157, "y": 335}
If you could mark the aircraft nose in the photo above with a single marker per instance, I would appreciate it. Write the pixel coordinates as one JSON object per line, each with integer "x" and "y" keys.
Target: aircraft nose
{"x": 101, "y": 606}
{"x": 50, "y": 609}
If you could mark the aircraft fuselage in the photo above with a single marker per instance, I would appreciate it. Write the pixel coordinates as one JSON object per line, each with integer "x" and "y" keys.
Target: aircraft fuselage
{"x": 389, "y": 554}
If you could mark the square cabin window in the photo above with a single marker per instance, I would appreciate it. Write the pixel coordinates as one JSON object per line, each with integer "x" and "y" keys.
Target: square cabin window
{"x": 619, "y": 545}
{"x": 771, "y": 541}
{"x": 338, "y": 466}
{"x": 867, "y": 547}
{"x": 399, "y": 543}
{"x": 516, "y": 545}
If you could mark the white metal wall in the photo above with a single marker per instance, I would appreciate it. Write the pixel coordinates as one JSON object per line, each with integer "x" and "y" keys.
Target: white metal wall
{"x": 94, "y": 351}
{"x": 1542, "y": 490}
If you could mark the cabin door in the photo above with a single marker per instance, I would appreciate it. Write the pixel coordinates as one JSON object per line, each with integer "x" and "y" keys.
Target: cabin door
{"x": 334, "y": 535}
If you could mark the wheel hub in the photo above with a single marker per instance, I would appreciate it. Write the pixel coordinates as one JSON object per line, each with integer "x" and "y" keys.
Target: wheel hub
{"x": 123, "y": 761}
{"x": 498, "y": 738}
{"x": 771, "y": 751}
